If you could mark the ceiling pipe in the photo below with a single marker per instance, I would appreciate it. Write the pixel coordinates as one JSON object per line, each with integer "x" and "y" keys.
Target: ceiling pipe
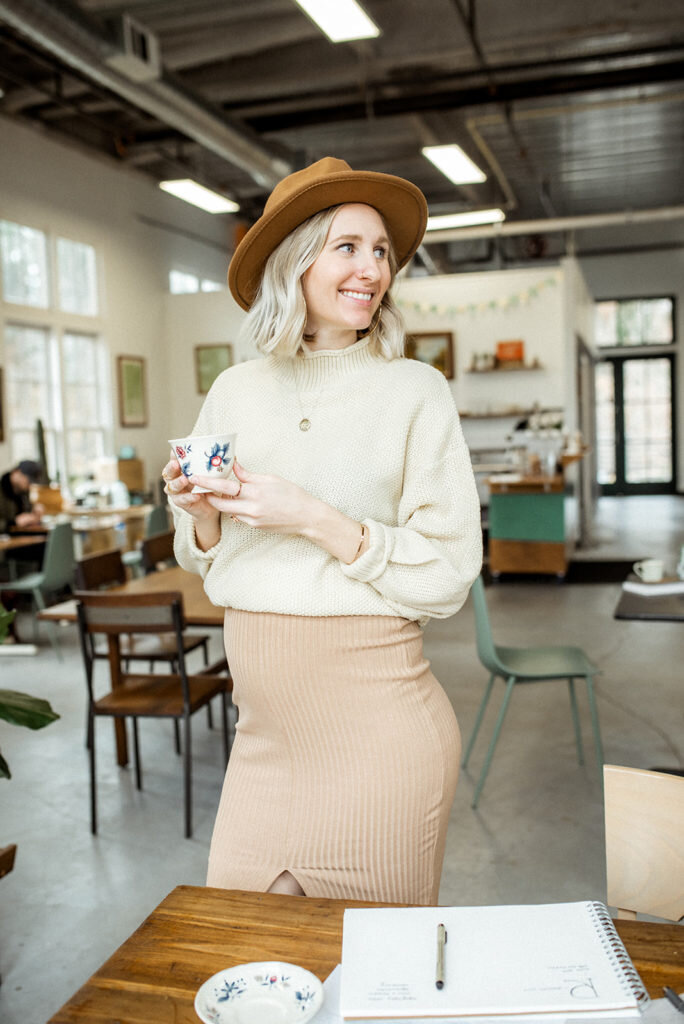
{"x": 553, "y": 224}
{"x": 86, "y": 52}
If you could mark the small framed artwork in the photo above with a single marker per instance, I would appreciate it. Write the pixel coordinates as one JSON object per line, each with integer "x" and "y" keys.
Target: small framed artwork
{"x": 210, "y": 360}
{"x": 435, "y": 348}
{"x": 132, "y": 391}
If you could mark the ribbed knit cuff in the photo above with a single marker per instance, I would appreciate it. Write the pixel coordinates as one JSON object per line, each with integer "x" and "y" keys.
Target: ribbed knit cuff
{"x": 188, "y": 527}
{"x": 373, "y": 562}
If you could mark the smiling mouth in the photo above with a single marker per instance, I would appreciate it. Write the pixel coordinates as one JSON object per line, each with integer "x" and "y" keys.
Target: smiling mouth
{"x": 365, "y": 297}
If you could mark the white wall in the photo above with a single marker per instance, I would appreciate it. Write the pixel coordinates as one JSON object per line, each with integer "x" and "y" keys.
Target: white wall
{"x": 60, "y": 190}
{"x": 508, "y": 304}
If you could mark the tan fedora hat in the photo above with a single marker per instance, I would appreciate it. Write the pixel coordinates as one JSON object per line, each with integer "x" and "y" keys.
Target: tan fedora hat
{"x": 328, "y": 182}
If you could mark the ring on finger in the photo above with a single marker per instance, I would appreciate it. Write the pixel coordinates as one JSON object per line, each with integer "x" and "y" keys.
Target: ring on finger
{"x": 238, "y": 493}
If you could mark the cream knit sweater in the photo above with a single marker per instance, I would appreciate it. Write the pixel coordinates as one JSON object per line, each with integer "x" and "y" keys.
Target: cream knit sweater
{"x": 385, "y": 447}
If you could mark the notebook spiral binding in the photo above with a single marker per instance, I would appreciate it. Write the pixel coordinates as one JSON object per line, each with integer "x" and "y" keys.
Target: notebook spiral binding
{"x": 619, "y": 957}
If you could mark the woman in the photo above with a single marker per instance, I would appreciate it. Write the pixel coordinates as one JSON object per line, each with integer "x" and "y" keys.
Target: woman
{"x": 352, "y": 520}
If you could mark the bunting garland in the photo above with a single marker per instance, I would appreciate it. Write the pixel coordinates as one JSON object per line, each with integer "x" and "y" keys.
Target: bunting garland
{"x": 522, "y": 298}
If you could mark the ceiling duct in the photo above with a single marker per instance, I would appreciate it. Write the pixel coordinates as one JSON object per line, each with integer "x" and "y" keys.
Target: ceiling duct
{"x": 84, "y": 50}
{"x": 139, "y": 58}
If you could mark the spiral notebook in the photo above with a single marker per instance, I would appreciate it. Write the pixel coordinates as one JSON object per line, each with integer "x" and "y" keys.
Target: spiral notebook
{"x": 562, "y": 960}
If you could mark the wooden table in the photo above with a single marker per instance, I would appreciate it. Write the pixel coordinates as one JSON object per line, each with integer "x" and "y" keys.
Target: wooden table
{"x": 10, "y": 543}
{"x": 198, "y": 609}
{"x": 195, "y": 932}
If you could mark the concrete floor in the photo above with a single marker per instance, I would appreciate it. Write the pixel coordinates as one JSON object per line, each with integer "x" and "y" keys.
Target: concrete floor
{"x": 537, "y": 835}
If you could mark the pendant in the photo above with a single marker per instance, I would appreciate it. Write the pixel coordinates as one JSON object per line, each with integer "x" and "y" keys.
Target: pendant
{"x": 305, "y": 424}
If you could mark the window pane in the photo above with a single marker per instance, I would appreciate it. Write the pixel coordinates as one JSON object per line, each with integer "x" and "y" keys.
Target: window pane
{"x": 648, "y": 419}
{"x": 77, "y": 277}
{"x": 24, "y": 265}
{"x": 627, "y": 322}
{"x": 84, "y": 447}
{"x": 26, "y": 354}
{"x": 181, "y": 283}
{"x": 605, "y": 422}
{"x": 82, "y": 389}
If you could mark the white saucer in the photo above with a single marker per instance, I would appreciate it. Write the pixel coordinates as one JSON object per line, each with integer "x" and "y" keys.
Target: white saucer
{"x": 271, "y": 992}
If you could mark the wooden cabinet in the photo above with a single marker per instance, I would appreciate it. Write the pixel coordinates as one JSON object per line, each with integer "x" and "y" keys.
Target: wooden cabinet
{"x": 527, "y": 525}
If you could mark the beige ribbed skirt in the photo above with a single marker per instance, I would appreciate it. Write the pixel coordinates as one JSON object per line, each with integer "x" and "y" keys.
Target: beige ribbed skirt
{"x": 345, "y": 760}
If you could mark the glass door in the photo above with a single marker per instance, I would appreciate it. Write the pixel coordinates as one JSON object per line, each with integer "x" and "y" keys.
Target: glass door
{"x": 635, "y": 424}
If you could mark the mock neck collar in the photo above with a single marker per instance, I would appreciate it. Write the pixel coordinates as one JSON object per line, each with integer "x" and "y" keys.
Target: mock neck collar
{"x": 309, "y": 369}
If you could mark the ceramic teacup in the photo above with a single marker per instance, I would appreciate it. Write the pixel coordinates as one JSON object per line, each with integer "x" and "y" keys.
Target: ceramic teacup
{"x": 206, "y": 454}
{"x": 650, "y": 570}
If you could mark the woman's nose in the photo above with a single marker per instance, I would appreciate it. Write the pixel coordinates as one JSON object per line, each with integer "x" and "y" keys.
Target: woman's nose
{"x": 368, "y": 269}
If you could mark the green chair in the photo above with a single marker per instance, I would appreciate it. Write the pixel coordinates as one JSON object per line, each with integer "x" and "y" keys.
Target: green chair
{"x": 527, "y": 665}
{"x": 56, "y": 574}
{"x": 157, "y": 522}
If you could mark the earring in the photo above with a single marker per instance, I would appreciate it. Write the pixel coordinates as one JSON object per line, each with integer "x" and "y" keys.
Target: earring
{"x": 375, "y": 322}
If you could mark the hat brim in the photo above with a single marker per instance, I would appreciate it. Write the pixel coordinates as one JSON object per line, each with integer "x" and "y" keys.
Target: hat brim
{"x": 400, "y": 203}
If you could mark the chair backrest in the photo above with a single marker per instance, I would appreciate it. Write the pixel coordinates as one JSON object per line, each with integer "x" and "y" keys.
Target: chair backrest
{"x": 58, "y": 561}
{"x": 486, "y": 648}
{"x": 157, "y": 521}
{"x": 157, "y": 549}
{"x": 103, "y": 569}
{"x": 644, "y": 815}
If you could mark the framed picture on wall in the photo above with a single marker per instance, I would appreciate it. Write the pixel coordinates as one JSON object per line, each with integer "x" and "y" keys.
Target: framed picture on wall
{"x": 210, "y": 360}
{"x": 132, "y": 391}
{"x": 435, "y": 348}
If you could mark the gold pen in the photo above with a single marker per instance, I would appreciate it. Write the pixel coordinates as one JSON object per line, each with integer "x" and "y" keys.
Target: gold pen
{"x": 441, "y": 942}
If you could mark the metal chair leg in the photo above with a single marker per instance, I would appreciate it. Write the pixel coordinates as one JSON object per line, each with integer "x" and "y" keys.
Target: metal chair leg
{"x": 136, "y": 754}
{"x": 510, "y": 683}
{"x": 93, "y": 783}
{"x": 576, "y": 721}
{"x": 478, "y": 720}
{"x": 187, "y": 771}
{"x": 176, "y": 735}
{"x": 595, "y": 724}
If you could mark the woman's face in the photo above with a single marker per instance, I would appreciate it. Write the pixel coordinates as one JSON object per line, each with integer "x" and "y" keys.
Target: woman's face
{"x": 345, "y": 285}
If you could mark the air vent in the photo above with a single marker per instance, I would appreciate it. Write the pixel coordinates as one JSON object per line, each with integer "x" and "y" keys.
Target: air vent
{"x": 138, "y": 58}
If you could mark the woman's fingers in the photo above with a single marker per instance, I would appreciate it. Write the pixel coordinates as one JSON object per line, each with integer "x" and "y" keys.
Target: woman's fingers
{"x": 222, "y": 487}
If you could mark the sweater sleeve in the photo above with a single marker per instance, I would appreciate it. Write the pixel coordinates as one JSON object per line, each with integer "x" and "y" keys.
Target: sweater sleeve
{"x": 424, "y": 564}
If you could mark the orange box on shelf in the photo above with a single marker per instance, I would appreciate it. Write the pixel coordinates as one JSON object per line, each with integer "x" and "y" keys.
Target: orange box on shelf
{"x": 510, "y": 351}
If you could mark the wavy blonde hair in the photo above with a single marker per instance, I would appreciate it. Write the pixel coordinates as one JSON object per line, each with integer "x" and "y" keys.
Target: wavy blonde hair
{"x": 276, "y": 320}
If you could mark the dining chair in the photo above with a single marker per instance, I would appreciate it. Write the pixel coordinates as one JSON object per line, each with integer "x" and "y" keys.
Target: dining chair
{"x": 156, "y": 522}
{"x": 156, "y": 550}
{"x": 106, "y": 569}
{"x": 176, "y": 695}
{"x": 644, "y": 818}
{"x": 527, "y": 665}
{"x": 55, "y": 574}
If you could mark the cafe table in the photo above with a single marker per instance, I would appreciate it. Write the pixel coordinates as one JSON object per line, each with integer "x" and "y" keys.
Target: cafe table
{"x": 649, "y": 607}
{"x": 195, "y": 932}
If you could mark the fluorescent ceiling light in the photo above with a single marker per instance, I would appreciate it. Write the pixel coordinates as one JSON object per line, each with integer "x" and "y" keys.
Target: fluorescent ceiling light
{"x": 464, "y": 220}
{"x": 341, "y": 20}
{"x": 452, "y": 161}
{"x": 192, "y": 192}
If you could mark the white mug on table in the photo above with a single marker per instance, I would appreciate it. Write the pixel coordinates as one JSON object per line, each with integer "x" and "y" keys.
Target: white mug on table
{"x": 650, "y": 570}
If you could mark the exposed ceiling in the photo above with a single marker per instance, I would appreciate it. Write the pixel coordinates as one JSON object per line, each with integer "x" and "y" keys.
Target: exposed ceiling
{"x": 571, "y": 108}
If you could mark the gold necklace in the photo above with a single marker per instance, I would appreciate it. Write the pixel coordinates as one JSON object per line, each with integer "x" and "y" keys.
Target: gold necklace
{"x": 305, "y": 421}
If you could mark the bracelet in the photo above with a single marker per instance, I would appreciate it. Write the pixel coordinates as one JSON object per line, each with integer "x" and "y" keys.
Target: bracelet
{"x": 363, "y": 537}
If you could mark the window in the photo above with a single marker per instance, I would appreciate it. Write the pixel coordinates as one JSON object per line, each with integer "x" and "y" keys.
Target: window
{"x": 57, "y": 369}
{"x": 77, "y": 277}
{"x": 630, "y": 322}
{"x": 182, "y": 283}
{"x": 24, "y": 265}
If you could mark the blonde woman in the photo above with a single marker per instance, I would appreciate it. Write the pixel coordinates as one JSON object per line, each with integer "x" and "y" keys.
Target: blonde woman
{"x": 352, "y": 519}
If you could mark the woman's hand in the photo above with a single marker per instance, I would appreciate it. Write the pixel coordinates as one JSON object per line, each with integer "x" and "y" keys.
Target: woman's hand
{"x": 261, "y": 500}
{"x": 268, "y": 502}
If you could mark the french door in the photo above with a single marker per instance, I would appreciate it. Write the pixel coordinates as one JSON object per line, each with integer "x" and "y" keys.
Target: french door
{"x": 635, "y": 424}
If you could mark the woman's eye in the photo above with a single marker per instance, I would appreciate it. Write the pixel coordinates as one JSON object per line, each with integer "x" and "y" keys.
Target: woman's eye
{"x": 380, "y": 252}
{"x": 346, "y": 247}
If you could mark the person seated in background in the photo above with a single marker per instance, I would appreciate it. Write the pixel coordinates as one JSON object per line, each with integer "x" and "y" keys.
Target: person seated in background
{"x": 15, "y": 504}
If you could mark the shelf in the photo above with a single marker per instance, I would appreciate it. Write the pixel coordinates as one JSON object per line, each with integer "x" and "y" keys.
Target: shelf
{"x": 508, "y": 369}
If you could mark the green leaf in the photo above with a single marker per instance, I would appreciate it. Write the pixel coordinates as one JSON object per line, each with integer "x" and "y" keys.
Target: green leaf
{"x": 5, "y": 773}
{"x": 22, "y": 709}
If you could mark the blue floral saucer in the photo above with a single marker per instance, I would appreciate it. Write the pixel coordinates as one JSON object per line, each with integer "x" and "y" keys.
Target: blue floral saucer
{"x": 260, "y": 993}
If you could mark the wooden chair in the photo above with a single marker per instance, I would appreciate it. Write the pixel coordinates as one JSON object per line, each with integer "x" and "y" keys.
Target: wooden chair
{"x": 527, "y": 665}
{"x": 157, "y": 549}
{"x": 157, "y": 522}
{"x": 644, "y": 814}
{"x": 106, "y": 569}
{"x": 175, "y": 695}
